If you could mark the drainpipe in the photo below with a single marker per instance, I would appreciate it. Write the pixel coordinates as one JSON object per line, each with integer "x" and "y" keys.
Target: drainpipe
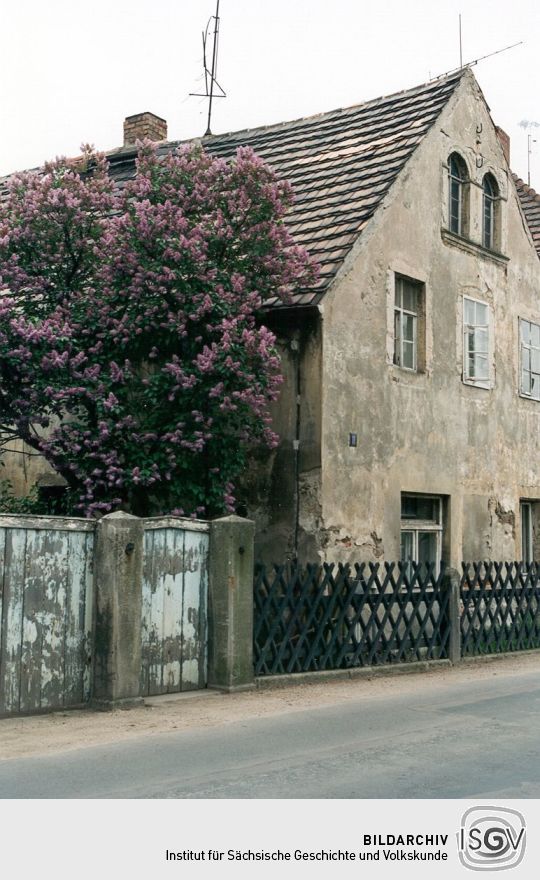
{"x": 295, "y": 348}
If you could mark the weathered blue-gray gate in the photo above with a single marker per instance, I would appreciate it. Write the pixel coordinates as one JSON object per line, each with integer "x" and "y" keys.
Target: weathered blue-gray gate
{"x": 46, "y": 603}
{"x": 174, "y": 609}
{"x": 48, "y": 587}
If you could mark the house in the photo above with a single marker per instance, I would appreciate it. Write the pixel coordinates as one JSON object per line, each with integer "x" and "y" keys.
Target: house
{"x": 409, "y": 417}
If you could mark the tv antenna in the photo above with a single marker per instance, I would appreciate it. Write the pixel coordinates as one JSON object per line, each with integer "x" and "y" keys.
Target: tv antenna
{"x": 210, "y": 74}
{"x": 476, "y": 60}
{"x": 525, "y": 123}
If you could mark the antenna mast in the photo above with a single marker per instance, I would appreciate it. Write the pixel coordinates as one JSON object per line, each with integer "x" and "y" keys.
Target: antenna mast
{"x": 476, "y": 60}
{"x": 526, "y": 123}
{"x": 530, "y": 142}
{"x": 211, "y": 74}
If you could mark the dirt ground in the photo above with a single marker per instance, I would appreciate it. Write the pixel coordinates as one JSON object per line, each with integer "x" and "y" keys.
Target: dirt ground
{"x": 74, "y": 729}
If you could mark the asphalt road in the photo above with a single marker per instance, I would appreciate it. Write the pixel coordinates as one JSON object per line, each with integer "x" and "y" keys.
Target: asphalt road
{"x": 445, "y": 738}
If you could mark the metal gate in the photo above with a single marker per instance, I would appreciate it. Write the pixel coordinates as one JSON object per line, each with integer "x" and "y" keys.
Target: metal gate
{"x": 46, "y": 594}
{"x": 174, "y": 607}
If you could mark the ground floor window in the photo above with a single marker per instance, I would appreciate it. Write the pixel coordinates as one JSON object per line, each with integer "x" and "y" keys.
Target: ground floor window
{"x": 527, "y": 547}
{"x": 421, "y": 529}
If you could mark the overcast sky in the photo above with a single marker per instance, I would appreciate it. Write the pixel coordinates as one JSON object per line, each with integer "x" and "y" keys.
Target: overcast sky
{"x": 70, "y": 71}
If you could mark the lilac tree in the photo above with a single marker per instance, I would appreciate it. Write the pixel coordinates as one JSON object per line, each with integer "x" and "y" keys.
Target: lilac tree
{"x": 132, "y": 354}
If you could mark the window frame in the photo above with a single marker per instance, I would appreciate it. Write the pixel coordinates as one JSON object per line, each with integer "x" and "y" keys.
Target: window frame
{"x": 527, "y": 523}
{"x": 400, "y": 315}
{"x": 404, "y": 284}
{"x": 468, "y": 379}
{"x": 523, "y": 346}
{"x": 490, "y": 199}
{"x": 417, "y": 526}
{"x": 458, "y": 225}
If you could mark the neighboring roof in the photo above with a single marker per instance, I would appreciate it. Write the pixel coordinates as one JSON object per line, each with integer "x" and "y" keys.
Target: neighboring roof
{"x": 341, "y": 165}
{"x": 530, "y": 202}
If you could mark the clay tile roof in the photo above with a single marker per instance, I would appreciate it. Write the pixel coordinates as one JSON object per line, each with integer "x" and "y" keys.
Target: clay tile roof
{"x": 341, "y": 165}
{"x": 530, "y": 202}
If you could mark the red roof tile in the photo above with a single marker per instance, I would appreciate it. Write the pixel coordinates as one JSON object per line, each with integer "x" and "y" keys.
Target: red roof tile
{"x": 530, "y": 202}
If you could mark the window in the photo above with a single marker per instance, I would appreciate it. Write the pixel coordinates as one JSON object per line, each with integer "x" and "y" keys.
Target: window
{"x": 408, "y": 321}
{"x": 530, "y": 359}
{"x": 457, "y": 195}
{"x": 421, "y": 529}
{"x": 475, "y": 342}
{"x": 490, "y": 201}
{"x": 527, "y": 553}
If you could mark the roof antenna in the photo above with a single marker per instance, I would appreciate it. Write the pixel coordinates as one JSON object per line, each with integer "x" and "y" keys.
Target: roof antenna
{"x": 476, "y": 60}
{"x": 210, "y": 75}
{"x": 530, "y": 142}
{"x": 526, "y": 123}
{"x": 460, "y": 44}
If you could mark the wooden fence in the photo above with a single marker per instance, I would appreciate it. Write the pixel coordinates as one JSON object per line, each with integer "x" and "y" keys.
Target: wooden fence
{"x": 320, "y": 617}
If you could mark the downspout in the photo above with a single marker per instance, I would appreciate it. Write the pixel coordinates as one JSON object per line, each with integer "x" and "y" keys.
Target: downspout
{"x": 295, "y": 348}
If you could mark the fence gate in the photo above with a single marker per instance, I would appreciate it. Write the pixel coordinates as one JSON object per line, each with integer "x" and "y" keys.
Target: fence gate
{"x": 46, "y": 593}
{"x": 174, "y": 607}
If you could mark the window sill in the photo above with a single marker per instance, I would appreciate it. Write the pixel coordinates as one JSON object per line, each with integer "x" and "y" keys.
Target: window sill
{"x": 528, "y": 397}
{"x": 402, "y": 375}
{"x": 484, "y": 386}
{"x": 409, "y": 370}
{"x": 472, "y": 247}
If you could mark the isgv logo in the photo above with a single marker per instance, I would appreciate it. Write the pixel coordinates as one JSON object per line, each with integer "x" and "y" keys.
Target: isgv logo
{"x": 491, "y": 838}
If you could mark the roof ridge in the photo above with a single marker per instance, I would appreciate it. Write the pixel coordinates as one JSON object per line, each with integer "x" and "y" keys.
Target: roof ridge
{"x": 437, "y": 81}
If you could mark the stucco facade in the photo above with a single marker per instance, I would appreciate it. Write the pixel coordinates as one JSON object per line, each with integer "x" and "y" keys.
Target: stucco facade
{"x": 425, "y": 432}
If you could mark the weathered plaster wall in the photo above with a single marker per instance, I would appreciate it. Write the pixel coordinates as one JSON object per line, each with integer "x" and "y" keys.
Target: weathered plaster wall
{"x": 23, "y": 467}
{"x": 281, "y": 490}
{"x": 429, "y": 432}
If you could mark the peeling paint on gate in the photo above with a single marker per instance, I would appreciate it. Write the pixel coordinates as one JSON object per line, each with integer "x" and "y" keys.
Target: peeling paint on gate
{"x": 174, "y": 607}
{"x": 45, "y": 613}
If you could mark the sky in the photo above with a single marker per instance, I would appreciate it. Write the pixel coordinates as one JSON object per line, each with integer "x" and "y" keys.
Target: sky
{"x": 70, "y": 72}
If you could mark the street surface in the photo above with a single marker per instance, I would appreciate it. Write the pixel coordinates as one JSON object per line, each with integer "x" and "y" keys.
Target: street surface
{"x": 469, "y": 732}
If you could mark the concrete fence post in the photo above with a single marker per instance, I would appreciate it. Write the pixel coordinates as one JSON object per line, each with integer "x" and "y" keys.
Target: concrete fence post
{"x": 230, "y": 604}
{"x": 451, "y": 582}
{"x": 118, "y": 568}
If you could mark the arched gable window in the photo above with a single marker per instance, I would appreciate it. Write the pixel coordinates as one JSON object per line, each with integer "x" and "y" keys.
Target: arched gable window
{"x": 490, "y": 199}
{"x": 458, "y": 179}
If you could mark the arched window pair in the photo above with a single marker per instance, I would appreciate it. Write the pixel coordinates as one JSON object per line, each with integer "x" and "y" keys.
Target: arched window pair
{"x": 458, "y": 206}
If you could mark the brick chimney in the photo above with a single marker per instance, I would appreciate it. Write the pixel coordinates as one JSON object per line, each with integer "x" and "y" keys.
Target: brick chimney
{"x": 144, "y": 125}
{"x": 504, "y": 141}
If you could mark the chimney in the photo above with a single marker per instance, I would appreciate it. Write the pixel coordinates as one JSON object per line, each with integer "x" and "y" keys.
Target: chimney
{"x": 504, "y": 141}
{"x": 144, "y": 125}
